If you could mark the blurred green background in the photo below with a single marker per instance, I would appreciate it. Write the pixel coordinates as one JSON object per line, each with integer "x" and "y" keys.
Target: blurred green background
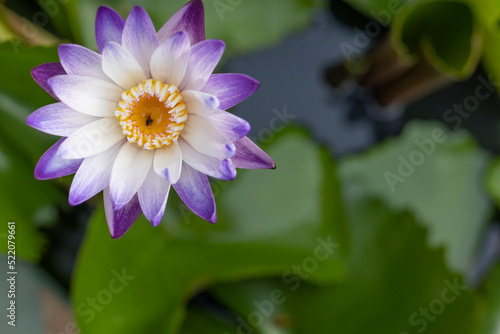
{"x": 383, "y": 119}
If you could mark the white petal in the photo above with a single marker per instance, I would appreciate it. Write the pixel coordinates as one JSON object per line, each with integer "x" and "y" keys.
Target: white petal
{"x": 87, "y": 95}
{"x": 207, "y": 165}
{"x": 199, "y": 103}
{"x": 58, "y": 119}
{"x": 170, "y": 59}
{"x": 204, "y": 137}
{"x": 92, "y": 139}
{"x": 168, "y": 162}
{"x": 93, "y": 175}
{"x": 129, "y": 172}
{"x": 139, "y": 37}
{"x": 121, "y": 66}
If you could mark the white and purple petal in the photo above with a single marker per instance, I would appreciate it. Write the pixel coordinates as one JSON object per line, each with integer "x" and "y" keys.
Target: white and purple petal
{"x": 77, "y": 60}
{"x": 121, "y": 66}
{"x": 87, "y": 95}
{"x": 194, "y": 190}
{"x": 51, "y": 166}
{"x": 202, "y": 104}
{"x": 168, "y": 162}
{"x": 120, "y": 220}
{"x": 129, "y": 171}
{"x": 250, "y": 156}
{"x": 230, "y": 88}
{"x": 169, "y": 61}
{"x": 204, "y": 137}
{"x": 223, "y": 170}
{"x": 153, "y": 196}
{"x": 93, "y": 175}
{"x": 42, "y": 73}
{"x": 58, "y": 119}
{"x": 108, "y": 27}
{"x": 139, "y": 37}
{"x": 92, "y": 139}
{"x": 203, "y": 59}
{"x": 190, "y": 18}
{"x": 231, "y": 126}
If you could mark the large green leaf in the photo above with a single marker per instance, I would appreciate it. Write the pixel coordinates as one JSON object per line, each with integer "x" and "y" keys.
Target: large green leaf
{"x": 490, "y": 311}
{"x": 396, "y": 285}
{"x": 243, "y": 25}
{"x": 424, "y": 29}
{"x": 269, "y": 221}
{"x": 436, "y": 174}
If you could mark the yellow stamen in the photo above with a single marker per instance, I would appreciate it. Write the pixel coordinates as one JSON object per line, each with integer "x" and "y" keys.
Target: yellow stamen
{"x": 152, "y": 114}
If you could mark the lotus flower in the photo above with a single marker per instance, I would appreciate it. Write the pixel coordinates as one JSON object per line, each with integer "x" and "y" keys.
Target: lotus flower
{"x": 144, "y": 114}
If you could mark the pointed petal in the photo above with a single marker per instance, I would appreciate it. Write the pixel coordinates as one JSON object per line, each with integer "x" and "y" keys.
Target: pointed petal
{"x": 58, "y": 119}
{"x": 194, "y": 190}
{"x": 250, "y": 156}
{"x": 203, "y": 59}
{"x": 190, "y": 18}
{"x": 42, "y": 73}
{"x": 120, "y": 221}
{"x": 231, "y": 126}
{"x": 139, "y": 37}
{"x": 108, "y": 27}
{"x": 207, "y": 165}
{"x": 92, "y": 139}
{"x": 87, "y": 95}
{"x": 153, "y": 196}
{"x": 129, "y": 171}
{"x": 168, "y": 162}
{"x": 199, "y": 103}
{"x": 93, "y": 175}
{"x": 204, "y": 137}
{"x": 51, "y": 166}
{"x": 77, "y": 60}
{"x": 121, "y": 66}
{"x": 230, "y": 88}
{"x": 170, "y": 59}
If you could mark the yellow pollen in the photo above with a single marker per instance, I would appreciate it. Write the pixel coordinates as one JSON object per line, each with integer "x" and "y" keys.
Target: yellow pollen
{"x": 152, "y": 114}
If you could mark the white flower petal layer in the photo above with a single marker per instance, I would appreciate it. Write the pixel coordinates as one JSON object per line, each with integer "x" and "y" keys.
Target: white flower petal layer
{"x": 153, "y": 195}
{"x": 77, "y": 60}
{"x": 139, "y": 37}
{"x": 203, "y": 59}
{"x": 207, "y": 165}
{"x": 58, "y": 119}
{"x": 168, "y": 162}
{"x": 204, "y": 137}
{"x": 129, "y": 172}
{"x": 170, "y": 59}
{"x": 92, "y": 139}
{"x": 121, "y": 66}
{"x": 93, "y": 175}
{"x": 87, "y": 95}
{"x": 198, "y": 103}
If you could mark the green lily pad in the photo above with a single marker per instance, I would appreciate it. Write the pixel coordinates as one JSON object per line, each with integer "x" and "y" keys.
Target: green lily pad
{"x": 436, "y": 174}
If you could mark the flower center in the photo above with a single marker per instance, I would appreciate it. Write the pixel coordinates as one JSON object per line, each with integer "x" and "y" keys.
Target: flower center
{"x": 152, "y": 114}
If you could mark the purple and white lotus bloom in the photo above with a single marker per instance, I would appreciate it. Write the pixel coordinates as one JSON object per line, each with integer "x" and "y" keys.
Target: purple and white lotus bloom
{"x": 144, "y": 114}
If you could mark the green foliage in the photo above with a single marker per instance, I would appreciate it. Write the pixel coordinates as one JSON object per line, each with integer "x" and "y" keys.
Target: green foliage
{"x": 20, "y": 198}
{"x": 431, "y": 172}
{"x": 251, "y": 239}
